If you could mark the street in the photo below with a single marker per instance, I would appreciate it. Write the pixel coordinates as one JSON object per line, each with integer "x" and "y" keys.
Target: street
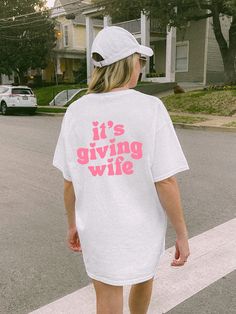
{"x": 35, "y": 264}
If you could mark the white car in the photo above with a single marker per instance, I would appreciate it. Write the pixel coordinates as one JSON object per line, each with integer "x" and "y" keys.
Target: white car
{"x": 17, "y": 98}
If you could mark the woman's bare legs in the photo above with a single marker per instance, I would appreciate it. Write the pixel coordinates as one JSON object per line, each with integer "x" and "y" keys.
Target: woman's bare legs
{"x": 109, "y": 299}
{"x": 140, "y": 296}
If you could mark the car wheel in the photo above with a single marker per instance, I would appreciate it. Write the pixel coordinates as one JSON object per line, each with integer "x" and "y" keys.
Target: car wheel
{"x": 4, "y": 108}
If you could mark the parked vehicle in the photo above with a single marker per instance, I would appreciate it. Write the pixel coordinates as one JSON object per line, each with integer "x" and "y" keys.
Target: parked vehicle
{"x": 15, "y": 98}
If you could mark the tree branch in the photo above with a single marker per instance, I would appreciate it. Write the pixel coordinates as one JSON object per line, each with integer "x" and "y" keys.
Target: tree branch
{"x": 232, "y": 35}
{"x": 200, "y": 17}
{"x": 205, "y": 6}
{"x": 218, "y": 31}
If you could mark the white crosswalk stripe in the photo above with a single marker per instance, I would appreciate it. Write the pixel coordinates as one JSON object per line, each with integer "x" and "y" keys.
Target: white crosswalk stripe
{"x": 212, "y": 256}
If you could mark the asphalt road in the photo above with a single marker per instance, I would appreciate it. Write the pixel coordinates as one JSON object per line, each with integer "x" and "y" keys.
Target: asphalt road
{"x": 36, "y": 267}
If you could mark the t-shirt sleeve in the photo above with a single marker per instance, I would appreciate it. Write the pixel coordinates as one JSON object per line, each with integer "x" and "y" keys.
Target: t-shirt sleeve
{"x": 168, "y": 157}
{"x": 60, "y": 156}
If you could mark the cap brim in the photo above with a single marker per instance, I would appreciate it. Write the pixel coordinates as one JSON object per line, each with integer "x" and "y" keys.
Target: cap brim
{"x": 144, "y": 50}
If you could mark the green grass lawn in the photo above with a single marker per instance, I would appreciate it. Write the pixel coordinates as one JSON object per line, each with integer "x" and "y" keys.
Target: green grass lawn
{"x": 46, "y": 94}
{"x": 230, "y": 124}
{"x": 82, "y": 93}
{"x": 186, "y": 119}
{"x": 208, "y": 102}
{"x": 221, "y": 102}
{"x": 53, "y": 110}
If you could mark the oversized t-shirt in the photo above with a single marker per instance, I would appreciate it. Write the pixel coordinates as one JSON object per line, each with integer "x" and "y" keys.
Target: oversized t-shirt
{"x": 113, "y": 146}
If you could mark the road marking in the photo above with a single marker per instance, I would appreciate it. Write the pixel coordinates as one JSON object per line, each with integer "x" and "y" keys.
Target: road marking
{"x": 212, "y": 256}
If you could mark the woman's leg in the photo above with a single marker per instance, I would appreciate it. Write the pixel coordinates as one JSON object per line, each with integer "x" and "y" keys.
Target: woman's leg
{"x": 140, "y": 296}
{"x": 109, "y": 299}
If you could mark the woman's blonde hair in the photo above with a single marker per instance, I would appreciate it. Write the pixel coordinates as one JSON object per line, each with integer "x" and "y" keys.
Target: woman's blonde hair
{"x": 111, "y": 76}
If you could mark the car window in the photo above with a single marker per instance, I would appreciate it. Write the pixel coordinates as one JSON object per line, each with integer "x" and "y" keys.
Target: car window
{"x": 22, "y": 91}
{"x": 3, "y": 90}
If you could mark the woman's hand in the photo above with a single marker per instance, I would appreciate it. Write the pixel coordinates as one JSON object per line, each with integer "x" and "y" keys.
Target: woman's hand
{"x": 73, "y": 240}
{"x": 182, "y": 251}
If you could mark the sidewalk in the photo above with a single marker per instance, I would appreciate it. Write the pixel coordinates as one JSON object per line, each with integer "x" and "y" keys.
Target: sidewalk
{"x": 213, "y": 122}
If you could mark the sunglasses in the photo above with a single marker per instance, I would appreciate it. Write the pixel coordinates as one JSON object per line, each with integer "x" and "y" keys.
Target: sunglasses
{"x": 142, "y": 61}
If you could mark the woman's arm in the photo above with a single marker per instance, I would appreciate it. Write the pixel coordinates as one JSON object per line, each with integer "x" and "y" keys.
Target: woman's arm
{"x": 69, "y": 201}
{"x": 169, "y": 195}
{"x": 73, "y": 239}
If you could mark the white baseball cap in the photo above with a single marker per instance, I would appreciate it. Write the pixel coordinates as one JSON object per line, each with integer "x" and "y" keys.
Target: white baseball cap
{"x": 114, "y": 43}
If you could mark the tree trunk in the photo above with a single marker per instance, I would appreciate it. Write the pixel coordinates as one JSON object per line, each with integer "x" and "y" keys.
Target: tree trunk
{"x": 228, "y": 50}
{"x": 230, "y": 61}
{"x": 21, "y": 77}
{"x": 229, "y": 67}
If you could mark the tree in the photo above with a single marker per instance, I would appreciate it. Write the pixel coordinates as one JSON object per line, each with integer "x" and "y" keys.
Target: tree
{"x": 26, "y": 36}
{"x": 178, "y": 12}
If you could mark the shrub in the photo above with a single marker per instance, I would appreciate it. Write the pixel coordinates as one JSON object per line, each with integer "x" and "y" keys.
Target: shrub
{"x": 220, "y": 87}
{"x": 154, "y": 74}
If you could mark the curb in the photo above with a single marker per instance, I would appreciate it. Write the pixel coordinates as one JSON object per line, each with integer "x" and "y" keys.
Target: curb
{"x": 50, "y": 113}
{"x": 176, "y": 125}
{"x": 204, "y": 127}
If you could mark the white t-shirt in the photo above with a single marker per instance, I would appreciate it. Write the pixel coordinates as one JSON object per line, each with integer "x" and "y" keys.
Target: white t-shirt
{"x": 113, "y": 147}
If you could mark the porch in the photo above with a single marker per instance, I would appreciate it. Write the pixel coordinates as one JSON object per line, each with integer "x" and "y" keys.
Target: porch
{"x": 161, "y": 66}
{"x": 66, "y": 66}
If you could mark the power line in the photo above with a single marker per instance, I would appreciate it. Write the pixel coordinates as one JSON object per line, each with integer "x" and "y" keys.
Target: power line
{"x": 20, "y": 24}
{"x": 13, "y": 25}
{"x": 38, "y": 12}
{"x": 28, "y": 19}
{"x": 23, "y": 38}
{"x": 34, "y": 19}
{"x": 14, "y": 17}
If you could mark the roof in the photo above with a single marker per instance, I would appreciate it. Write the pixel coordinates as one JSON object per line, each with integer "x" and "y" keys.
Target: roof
{"x": 76, "y": 7}
{"x": 70, "y": 6}
{"x": 63, "y": 7}
{"x": 80, "y": 19}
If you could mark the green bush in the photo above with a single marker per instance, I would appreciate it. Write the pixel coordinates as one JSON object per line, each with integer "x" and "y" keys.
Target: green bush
{"x": 154, "y": 74}
{"x": 216, "y": 102}
{"x": 220, "y": 87}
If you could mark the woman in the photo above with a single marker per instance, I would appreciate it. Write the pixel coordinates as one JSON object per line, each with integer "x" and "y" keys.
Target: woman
{"x": 118, "y": 152}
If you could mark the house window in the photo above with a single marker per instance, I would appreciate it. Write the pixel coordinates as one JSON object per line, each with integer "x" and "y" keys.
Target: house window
{"x": 66, "y": 36}
{"x": 182, "y": 56}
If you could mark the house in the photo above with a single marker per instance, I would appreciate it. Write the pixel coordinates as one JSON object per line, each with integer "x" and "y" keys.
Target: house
{"x": 68, "y": 63}
{"x": 198, "y": 57}
{"x": 6, "y": 79}
{"x": 190, "y": 54}
{"x": 187, "y": 55}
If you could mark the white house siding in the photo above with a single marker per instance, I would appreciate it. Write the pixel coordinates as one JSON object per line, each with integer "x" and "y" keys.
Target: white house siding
{"x": 215, "y": 68}
{"x": 6, "y": 79}
{"x": 79, "y": 37}
{"x": 195, "y": 33}
{"x": 62, "y": 22}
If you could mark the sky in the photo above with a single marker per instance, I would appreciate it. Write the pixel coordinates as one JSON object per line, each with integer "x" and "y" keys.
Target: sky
{"x": 50, "y": 3}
